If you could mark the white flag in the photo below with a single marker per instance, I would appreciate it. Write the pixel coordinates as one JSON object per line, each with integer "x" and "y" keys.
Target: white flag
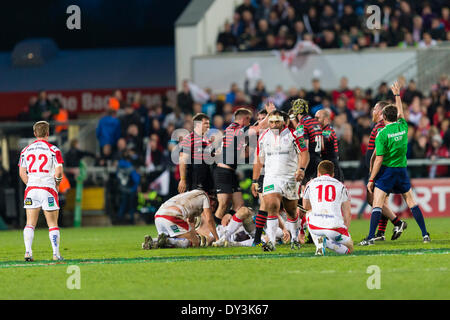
{"x": 198, "y": 94}
{"x": 161, "y": 184}
{"x": 254, "y": 72}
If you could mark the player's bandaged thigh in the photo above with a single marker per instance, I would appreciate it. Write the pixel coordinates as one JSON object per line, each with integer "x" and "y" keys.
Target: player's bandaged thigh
{"x": 288, "y": 188}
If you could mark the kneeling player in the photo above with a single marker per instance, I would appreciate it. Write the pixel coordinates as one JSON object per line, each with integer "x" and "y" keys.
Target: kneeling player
{"x": 329, "y": 218}
{"x": 175, "y": 221}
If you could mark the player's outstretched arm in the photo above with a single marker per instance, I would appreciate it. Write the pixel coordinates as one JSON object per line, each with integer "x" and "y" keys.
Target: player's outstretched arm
{"x": 398, "y": 100}
{"x": 207, "y": 215}
{"x": 303, "y": 161}
{"x": 182, "y": 185}
{"x": 264, "y": 124}
{"x": 257, "y": 166}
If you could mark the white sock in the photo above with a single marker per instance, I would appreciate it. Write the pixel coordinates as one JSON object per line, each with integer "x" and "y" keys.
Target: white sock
{"x": 337, "y": 247}
{"x": 233, "y": 226}
{"x": 179, "y": 242}
{"x": 293, "y": 228}
{"x": 315, "y": 238}
{"x": 54, "y": 236}
{"x": 280, "y": 233}
{"x": 28, "y": 236}
{"x": 271, "y": 229}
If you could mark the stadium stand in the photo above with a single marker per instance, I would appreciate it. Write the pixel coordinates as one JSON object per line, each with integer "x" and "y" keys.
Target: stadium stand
{"x": 280, "y": 24}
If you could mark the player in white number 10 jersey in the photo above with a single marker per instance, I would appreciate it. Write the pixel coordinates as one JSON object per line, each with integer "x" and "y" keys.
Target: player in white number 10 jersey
{"x": 329, "y": 216}
{"x": 41, "y": 170}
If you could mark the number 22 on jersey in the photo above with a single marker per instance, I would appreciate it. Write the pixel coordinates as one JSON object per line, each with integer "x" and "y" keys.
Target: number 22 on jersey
{"x": 43, "y": 161}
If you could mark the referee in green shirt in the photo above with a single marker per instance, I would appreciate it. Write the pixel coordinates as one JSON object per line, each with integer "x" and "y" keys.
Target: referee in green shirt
{"x": 389, "y": 174}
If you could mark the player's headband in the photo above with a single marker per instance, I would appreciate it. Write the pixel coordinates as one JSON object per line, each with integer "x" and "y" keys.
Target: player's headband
{"x": 275, "y": 118}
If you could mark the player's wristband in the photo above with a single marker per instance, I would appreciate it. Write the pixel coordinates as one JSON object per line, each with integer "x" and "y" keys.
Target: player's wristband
{"x": 303, "y": 169}
{"x": 254, "y": 181}
{"x": 396, "y": 95}
{"x": 371, "y": 180}
{"x": 58, "y": 179}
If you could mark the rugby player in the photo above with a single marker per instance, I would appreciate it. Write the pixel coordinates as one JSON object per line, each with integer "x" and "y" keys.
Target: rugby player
{"x": 234, "y": 148}
{"x": 175, "y": 220}
{"x": 389, "y": 172}
{"x": 310, "y": 130}
{"x": 256, "y": 189}
{"x": 329, "y": 215}
{"x": 283, "y": 155}
{"x": 41, "y": 170}
{"x": 195, "y": 173}
{"x": 331, "y": 149}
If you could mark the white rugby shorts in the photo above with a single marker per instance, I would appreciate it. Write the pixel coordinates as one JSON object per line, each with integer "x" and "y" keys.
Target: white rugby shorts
{"x": 170, "y": 224}
{"x": 287, "y": 187}
{"x": 41, "y": 197}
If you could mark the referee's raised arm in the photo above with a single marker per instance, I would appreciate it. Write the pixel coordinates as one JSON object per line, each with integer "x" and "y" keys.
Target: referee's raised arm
{"x": 398, "y": 100}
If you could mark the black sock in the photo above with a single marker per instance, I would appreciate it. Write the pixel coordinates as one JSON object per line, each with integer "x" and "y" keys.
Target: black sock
{"x": 217, "y": 220}
{"x": 260, "y": 222}
{"x": 396, "y": 221}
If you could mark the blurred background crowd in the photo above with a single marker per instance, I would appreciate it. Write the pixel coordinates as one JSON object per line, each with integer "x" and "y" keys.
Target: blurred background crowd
{"x": 280, "y": 24}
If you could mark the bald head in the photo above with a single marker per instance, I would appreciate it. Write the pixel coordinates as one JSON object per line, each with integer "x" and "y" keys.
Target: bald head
{"x": 323, "y": 117}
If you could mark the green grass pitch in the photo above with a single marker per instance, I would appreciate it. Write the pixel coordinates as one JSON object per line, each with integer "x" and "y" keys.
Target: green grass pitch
{"x": 112, "y": 265}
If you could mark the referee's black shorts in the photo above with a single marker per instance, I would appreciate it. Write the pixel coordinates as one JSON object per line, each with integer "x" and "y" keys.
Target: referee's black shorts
{"x": 226, "y": 181}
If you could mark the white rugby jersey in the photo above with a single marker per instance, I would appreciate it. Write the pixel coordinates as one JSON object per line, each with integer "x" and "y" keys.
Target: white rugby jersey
{"x": 280, "y": 152}
{"x": 190, "y": 203}
{"x": 326, "y": 195}
{"x": 40, "y": 158}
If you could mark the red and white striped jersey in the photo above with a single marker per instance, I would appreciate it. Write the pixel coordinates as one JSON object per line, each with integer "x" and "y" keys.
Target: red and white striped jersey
{"x": 326, "y": 195}
{"x": 190, "y": 203}
{"x": 41, "y": 159}
{"x": 279, "y": 152}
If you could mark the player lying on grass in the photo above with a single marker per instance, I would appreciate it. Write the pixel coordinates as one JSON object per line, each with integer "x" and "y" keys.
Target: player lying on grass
{"x": 238, "y": 230}
{"x": 329, "y": 214}
{"x": 175, "y": 220}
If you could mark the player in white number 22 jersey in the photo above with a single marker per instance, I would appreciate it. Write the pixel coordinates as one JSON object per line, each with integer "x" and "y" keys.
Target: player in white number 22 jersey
{"x": 41, "y": 170}
{"x": 329, "y": 216}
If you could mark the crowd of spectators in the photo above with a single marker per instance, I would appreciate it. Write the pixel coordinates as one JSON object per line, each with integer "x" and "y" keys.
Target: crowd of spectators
{"x": 333, "y": 24}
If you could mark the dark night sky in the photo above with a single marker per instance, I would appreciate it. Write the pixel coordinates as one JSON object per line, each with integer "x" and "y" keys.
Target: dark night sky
{"x": 104, "y": 23}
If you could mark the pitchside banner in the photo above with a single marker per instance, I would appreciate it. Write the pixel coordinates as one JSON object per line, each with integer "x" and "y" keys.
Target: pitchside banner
{"x": 80, "y": 101}
{"x": 432, "y": 195}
